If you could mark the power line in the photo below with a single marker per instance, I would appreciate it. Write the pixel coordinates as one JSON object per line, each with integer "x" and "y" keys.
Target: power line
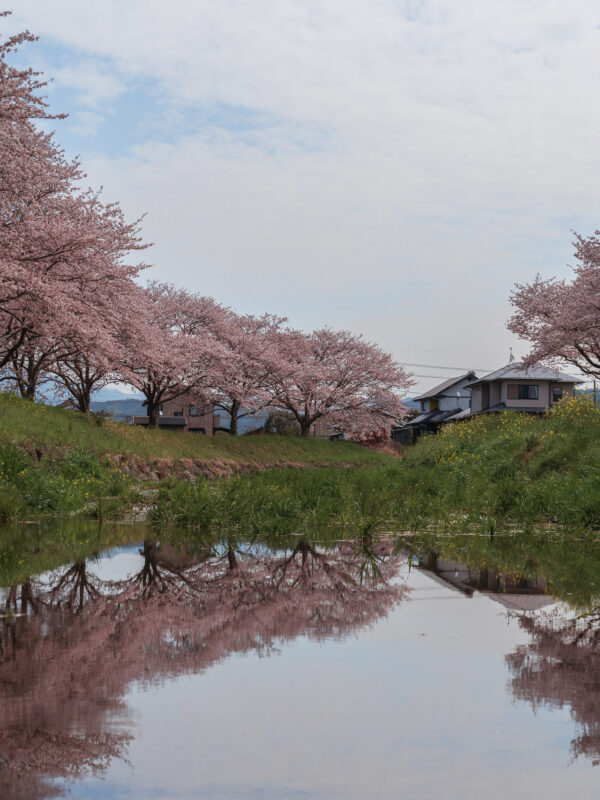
{"x": 438, "y": 366}
{"x": 470, "y": 352}
{"x": 415, "y": 375}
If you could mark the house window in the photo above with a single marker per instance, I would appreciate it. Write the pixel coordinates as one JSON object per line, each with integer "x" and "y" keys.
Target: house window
{"x": 178, "y": 413}
{"x": 529, "y": 391}
{"x": 196, "y": 411}
{"x": 523, "y": 391}
{"x": 557, "y": 393}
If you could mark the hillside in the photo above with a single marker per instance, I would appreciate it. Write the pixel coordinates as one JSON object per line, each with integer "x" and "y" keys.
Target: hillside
{"x": 49, "y": 429}
{"x": 494, "y": 472}
{"x": 55, "y": 461}
{"x": 508, "y": 472}
{"x": 511, "y": 469}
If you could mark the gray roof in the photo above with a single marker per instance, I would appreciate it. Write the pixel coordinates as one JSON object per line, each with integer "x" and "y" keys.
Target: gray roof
{"x": 419, "y": 418}
{"x": 465, "y": 412}
{"x": 521, "y": 601}
{"x": 441, "y": 387}
{"x": 536, "y": 372}
{"x": 433, "y": 417}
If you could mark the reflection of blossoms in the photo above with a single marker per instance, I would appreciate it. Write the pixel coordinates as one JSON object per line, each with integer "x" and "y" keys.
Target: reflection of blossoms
{"x": 560, "y": 668}
{"x": 66, "y": 663}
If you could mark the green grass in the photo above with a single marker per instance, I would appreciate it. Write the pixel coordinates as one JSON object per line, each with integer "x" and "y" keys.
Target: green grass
{"x": 493, "y": 472}
{"x": 62, "y": 482}
{"x": 46, "y": 428}
{"x": 496, "y": 472}
{"x": 56, "y": 462}
{"x": 512, "y": 469}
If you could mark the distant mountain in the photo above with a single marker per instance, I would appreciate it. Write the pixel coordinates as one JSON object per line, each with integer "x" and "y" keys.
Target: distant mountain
{"x": 108, "y": 393}
{"x": 410, "y": 403}
{"x": 120, "y": 409}
{"x": 245, "y": 424}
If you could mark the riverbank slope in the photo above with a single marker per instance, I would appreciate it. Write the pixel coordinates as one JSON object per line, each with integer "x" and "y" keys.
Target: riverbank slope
{"x": 55, "y": 461}
{"x": 496, "y": 472}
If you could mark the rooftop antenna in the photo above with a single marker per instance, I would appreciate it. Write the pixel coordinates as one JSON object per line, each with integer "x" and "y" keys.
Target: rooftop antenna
{"x": 511, "y": 357}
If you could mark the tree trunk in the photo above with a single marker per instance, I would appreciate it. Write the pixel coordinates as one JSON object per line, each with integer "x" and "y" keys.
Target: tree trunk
{"x": 85, "y": 389}
{"x": 83, "y": 400}
{"x": 153, "y": 415}
{"x": 231, "y": 558}
{"x": 233, "y": 424}
{"x": 305, "y": 428}
{"x": 153, "y": 407}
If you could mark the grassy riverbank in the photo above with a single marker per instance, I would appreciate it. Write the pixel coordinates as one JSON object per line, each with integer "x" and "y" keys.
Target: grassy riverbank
{"x": 492, "y": 472}
{"x": 54, "y": 461}
{"x": 49, "y": 429}
{"x": 508, "y": 471}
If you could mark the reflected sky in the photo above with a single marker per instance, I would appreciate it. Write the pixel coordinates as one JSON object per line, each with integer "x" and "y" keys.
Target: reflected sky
{"x": 419, "y": 700}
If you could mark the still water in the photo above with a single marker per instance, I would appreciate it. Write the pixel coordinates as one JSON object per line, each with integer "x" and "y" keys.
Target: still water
{"x": 140, "y": 666}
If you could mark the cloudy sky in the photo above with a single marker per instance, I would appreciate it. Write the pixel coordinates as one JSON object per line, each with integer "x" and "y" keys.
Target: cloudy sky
{"x": 388, "y": 166}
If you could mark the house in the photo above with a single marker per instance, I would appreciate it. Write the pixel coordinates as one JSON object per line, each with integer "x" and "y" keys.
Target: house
{"x": 515, "y": 592}
{"x": 189, "y": 412}
{"x": 447, "y": 402}
{"x": 533, "y": 389}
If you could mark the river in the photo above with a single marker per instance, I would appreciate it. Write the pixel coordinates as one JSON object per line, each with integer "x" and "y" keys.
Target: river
{"x": 145, "y": 664}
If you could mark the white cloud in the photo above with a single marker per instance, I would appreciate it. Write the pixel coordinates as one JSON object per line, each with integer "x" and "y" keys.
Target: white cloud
{"x": 85, "y": 123}
{"x": 90, "y": 79}
{"x": 390, "y": 165}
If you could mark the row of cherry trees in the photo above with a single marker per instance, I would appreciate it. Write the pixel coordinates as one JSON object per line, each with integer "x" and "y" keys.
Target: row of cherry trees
{"x": 73, "y": 313}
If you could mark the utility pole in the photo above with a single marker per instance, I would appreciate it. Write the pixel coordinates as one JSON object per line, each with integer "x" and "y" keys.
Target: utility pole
{"x": 595, "y": 398}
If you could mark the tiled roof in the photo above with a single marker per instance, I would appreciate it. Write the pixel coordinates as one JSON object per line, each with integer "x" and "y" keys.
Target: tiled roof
{"x": 432, "y": 417}
{"x": 441, "y": 387}
{"x": 516, "y": 370}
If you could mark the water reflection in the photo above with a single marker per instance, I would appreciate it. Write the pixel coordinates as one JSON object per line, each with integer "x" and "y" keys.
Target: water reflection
{"x": 78, "y": 639}
{"x": 560, "y": 668}
{"x": 72, "y": 643}
{"x": 516, "y": 591}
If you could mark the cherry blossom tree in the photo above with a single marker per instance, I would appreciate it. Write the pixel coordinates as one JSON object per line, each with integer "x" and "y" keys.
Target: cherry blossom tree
{"x": 338, "y": 378}
{"x": 561, "y": 318}
{"x": 241, "y": 382}
{"x": 19, "y": 88}
{"x": 34, "y": 183}
{"x": 73, "y": 301}
{"x": 86, "y": 366}
{"x": 172, "y": 350}
{"x": 91, "y": 358}
{"x": 62, "y": 251}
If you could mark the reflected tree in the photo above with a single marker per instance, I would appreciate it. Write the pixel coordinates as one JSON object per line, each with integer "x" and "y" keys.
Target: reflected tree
{"x": 66, "y": 666}
{"x": 560, "y": 668}
{"x": 73, "y": 588}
